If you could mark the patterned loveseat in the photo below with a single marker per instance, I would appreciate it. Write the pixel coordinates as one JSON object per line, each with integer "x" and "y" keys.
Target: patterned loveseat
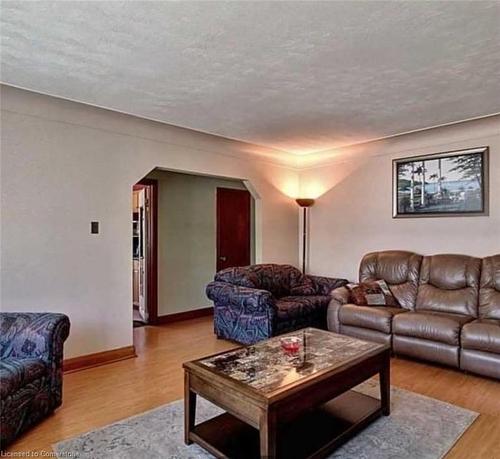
{"x": 256, "y": 302}
{"x": 31, "y": 356}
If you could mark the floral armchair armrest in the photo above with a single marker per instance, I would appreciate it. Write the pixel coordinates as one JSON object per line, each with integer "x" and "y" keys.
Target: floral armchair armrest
{"x": 250, "y": 300}
{"x": 39, "y": 335}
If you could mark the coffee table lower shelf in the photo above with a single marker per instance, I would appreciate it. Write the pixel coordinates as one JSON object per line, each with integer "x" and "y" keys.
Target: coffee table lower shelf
{"x": 313, "y": 435}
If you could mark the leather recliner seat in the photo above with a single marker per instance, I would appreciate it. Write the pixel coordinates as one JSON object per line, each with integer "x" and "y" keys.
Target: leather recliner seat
{"x": 400, "y": 269}
{"x": 480, "y": 338}
{"x": 446, "y": 300}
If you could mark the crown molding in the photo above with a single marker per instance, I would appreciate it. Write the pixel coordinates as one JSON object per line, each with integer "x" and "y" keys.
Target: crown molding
{"x": 246, "y": 150}
{"x": 242, "y": 150}
{"x": 396, "y": 143}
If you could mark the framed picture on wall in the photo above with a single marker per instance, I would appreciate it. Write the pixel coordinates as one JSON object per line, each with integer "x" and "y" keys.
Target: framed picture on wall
{"x": 453, "y": 183}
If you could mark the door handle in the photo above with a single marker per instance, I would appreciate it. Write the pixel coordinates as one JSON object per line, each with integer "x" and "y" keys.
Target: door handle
{"x": 222, "y": 258}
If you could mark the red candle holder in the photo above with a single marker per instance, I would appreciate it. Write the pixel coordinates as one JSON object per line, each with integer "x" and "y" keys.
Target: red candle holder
{"x": 291, "y": 344}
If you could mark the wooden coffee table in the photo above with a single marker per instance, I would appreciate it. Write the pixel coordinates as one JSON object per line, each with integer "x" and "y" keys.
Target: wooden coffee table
{"x": 286, "y": 405}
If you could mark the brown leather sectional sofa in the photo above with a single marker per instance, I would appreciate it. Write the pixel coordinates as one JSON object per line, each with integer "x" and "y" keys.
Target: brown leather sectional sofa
{"x": 449, "y": 309}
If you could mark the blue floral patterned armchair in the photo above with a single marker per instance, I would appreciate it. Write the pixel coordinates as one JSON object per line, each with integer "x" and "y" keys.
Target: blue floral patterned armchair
{"x": 256, "y": 302}
{"x": 31, "y": 356}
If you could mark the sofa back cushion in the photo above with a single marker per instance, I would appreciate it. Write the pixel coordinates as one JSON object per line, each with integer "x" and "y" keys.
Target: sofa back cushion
{"x": 489, "y": 291}
{"x": 449, "y": 283}
{"x": 240, "y": 275}
{"x": 277, "y": 279}
{"x": 398, "y": 268}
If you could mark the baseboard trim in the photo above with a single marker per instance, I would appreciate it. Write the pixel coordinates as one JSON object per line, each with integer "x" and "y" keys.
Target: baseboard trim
{"x": 187, "y": 315}
{"x": 100, "y": 358}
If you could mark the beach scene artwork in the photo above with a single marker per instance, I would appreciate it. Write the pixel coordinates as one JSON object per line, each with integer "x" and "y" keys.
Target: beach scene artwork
{"x": 448, "y": 183}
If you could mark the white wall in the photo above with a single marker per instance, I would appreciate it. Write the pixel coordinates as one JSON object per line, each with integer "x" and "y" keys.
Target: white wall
{"x": 64, "y": 164}
{"x": 355, "y": 215}
{"x": 187, "y": 236}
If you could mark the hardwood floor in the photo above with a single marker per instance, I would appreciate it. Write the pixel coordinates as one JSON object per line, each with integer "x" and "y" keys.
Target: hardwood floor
{"x": 102, "y": 395}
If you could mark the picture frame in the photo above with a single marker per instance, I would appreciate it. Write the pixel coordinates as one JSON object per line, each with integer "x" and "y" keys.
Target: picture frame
{"x": 454, "y": 183}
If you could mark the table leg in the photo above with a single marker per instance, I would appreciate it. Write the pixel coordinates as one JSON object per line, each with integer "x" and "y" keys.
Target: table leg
{"x": 267, "y": 431}
{"x": 189, "y": 409}
{"x": 385, "y": 387}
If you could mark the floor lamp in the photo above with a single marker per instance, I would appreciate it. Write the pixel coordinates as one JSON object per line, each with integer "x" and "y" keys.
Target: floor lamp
{"x": 305, "y": 204}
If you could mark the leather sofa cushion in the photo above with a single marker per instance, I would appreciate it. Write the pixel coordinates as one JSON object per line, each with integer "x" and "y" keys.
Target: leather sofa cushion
{"x": 482, "y": 335}
{"x": 462, "y": 301}
{"x": 398, "y": 268}
{"x": 433, "y": 326}
{"x": 17, "y": 373}
{"x": 450, "y": 284}
{"x": 373, "y": 317}
{"x": 489, "y": 293}
{"x": 292, "y": 307}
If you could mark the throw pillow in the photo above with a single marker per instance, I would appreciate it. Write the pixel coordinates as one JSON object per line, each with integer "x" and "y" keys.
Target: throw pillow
{"x": 372, "y": 293}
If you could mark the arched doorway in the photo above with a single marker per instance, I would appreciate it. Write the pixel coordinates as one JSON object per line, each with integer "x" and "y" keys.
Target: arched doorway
{"x": 180, "y": 219}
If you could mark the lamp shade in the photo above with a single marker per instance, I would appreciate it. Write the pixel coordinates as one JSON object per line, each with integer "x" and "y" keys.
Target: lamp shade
{"x": 303, "y": 202}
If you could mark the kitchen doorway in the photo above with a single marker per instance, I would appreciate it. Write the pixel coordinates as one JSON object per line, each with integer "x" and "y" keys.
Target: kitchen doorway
{"x": 144, "y": 252}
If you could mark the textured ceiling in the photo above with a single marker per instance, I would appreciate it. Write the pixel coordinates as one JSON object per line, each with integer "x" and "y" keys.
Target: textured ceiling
{"x": 297, "y": 76}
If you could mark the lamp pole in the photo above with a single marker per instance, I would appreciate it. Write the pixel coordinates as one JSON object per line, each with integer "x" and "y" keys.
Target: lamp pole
{"x": 305, "y": 204}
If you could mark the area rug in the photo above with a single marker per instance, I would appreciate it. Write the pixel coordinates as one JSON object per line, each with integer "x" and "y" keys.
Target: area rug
{"x": 419, "y": 427}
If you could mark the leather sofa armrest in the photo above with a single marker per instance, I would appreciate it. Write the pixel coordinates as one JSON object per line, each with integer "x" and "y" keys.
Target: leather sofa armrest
{"x": 340, "y": 296}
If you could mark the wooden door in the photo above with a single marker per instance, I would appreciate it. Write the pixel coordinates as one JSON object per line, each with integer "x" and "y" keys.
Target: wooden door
{"x": 233, "y": 228}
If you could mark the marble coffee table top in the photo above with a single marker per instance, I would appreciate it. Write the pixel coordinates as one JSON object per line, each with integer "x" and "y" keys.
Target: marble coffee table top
{"x": 266, "y": 366}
